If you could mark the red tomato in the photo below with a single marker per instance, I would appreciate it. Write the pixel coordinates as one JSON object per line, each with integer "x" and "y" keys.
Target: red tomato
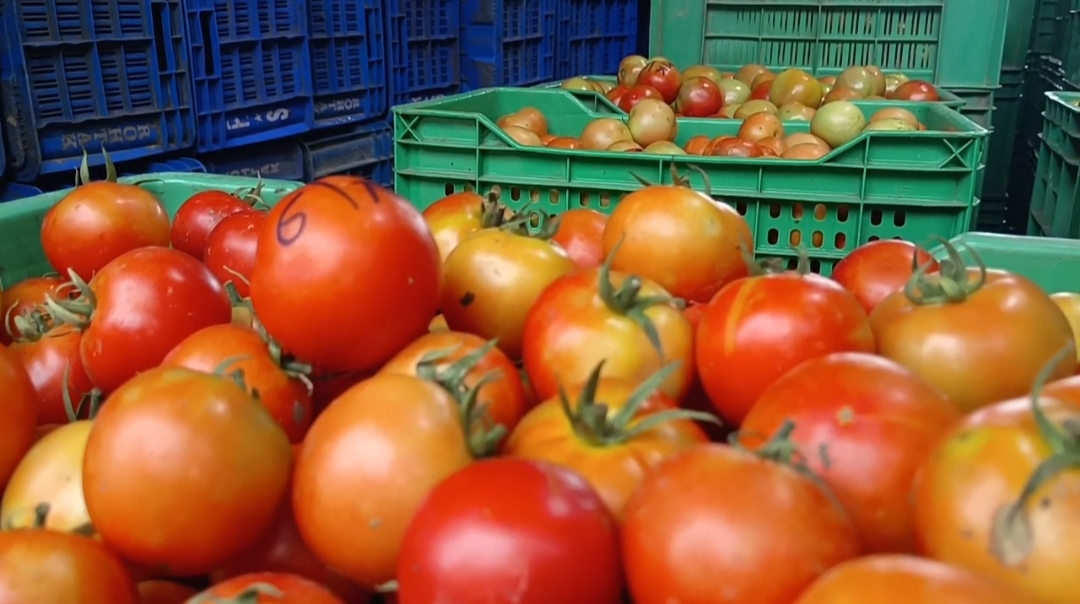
{"x": 345, "y": 240}
{"x": 879, "y": 268}
{"x": 47, "y": 567}
{"x": 164, "y": 592}
{"x": 183, "y": 470}
{"x": 761, "y": 91}
{"x": 503, "y": 395}
{"x": 693, "y": 313}
{"x": 99, "y": 221}
{"x": 18, "y": 407}
{"x": 607, "y": 446}
{"x": 49, "y": 361}
{"x": 457, "y": 216}
{"x": 598, "y": 316}
{"x": 636, "y": 94}
{"x": 757, "y": 329}
{"x": 662, "y": 75}
{"x": 978, "y": 344}
{"x": 718, "y": 525}
{"x": 25, "y": 297}
{"x": 231, "y": 249}
{"x": 197, "y": 217}
{"x": 326, "y": 386}
{"x": 679, "y": 238}
{"x": 387, "y": 442}
{"x": 268, "y": 588}
{"x": 875, "y": 422}
{"x": 915, "y": 90}
{"x": 895, "y": 579}
{"x": 265, "y": 372}
{"x": 699, "y": 97}
{"x": 581, "y": 234}
{"x": 535, "y": 520}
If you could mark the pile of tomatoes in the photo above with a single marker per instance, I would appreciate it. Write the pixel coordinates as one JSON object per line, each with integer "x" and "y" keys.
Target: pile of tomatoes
{"x": 340, "y": 399}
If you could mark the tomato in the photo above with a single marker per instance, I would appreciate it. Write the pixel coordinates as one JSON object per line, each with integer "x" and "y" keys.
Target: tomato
{"x": 492, "y": 279}
{"x": 616, "y": 94}
{"x": 54, "y": 363}
{"x": 719, "y": 525}
{"x": 914, "y": 90}
{"x": 757, "y": 329}
{"x": 327, "y": 386}
{"x": 600, "y": 316}
{"x": 267, "y": 588}
{"x": 164, "y": 592}
{"x": 761, "y": 91}
{"x": 386, "y": 442}
{"x": 18, "y": 407}
{"x": 231, "y": 249}
{"x": 876, "y": 423}
{"x": 45, "y": 491}
{"x": 679, "y": 238}
{"x": 539, "y": 521}
{"x": 991, "y": 499}
{"x": 879, "y": 268}
{"x": 457, "y": 216}
{"x": 345, "y": 240}
{"x": 581, "y": 234}
{"x": 183, "y": 470}
{"x": 636, "y": 94}
{"x": 898, "y": 579}
{"x": 25, "y": 297}
{"x": 977, "y": 342}
{"x": 126, "y": 333}
{"x": 1069, "y": 303}
{"x": 603, "y": 438}
{"x": 735, "y": 147}
{"x": 99, "y": 221}
{"x": 438, "y": 324}
{"x": 693, "y": 313}
{"x": 699, "y": 97}
{"x": 197, "y": 217}
{"x": 503, "y": 395}
{"x": 46, "y": 567}
{"x": 662, "y": 75}
{"x": 270, "y": 376}
{"x": 1065, "y": 390}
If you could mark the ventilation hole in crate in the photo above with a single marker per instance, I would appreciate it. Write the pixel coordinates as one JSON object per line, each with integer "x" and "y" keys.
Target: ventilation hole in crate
{"x": 740, "y": 207}
{"x": 794, "y": 238}
{"x": 448, "y": 189}
{"x": 468, "y": 187}
{"x": 872, "y": 238}
{"x": 840, "y": 241}
{"x": 792, "y": 263}
{"x": 553, "y": 197}
{"x": 815, "y": 266}
{"x": 583, "y": 200}
{"x": 515, "y": 193}
{"x": 817, "y": 239}
{"x": 774, "y": 210}
{"x": 820, "y": 212}
{"x": 797, "y": 211}
{"x": 772, "y": 236}
{"x": 841, "y": 213}
{"x": 534, "y": 220}
{"x": 900, "y": 218}
{"x": 534, "y": 196}
{"x": 605, "y": 200}
{"x": 897, "y": 238}
{"x": 875, "y": 217}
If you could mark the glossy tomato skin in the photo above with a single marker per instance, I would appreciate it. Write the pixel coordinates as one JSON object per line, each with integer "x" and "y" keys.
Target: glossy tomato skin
{"x": 164, "y": 592}
{"x": 493, "y": 278}
{"x": 98, "y": 222}
{"x": 717, "y": 525}
{"x": 454, "y": 218}
{"x": 1069, "y": 303}
{"x": 877, "y": 423}
{"x": 614, "y": 471}
{"x": 231, "y": 249}
{"x": 972, "y": 363}
{"x": 229, "y": 348}
{"x": 47, "y": 567}
{"x": 284, "y": 589}
{"x": 581, "y": 234}
{"x": 26, "y": 296}
{"x": 544, "y": 517}
{"x": 386, "y": 441}
{"x": 197, "y": 217}
{"x": 982, "y": 465}
{"x": 131, "y": 333}
{"x": 899, "y": 579}
{"x": 503, "y": 395}
{"x": 879, "y": 268}
{"x": 757, "y": 329}
{"x": 682, "y": 240}
{"x": 183, "y": 518}
{"x": 344, "y": 240}
{"x": 570, "y": 329}
{"x": 18, "y": 407}
{"x": 48, "y": 362}
{"x": 50, "y": 473}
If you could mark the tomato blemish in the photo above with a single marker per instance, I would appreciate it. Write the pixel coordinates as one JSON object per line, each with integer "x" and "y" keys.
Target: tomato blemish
{"x": 467, "y": 299}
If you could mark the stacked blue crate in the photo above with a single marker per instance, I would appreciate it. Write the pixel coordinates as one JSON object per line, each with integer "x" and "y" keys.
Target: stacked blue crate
{"x": 88, "y": 74}
{"x": 366, "y": 151}
{"x": 251, "y": 70}
{"x": 349, "y": 65}
{"x": 425, "y": 56}
{"x": 3, "y": 157}
{"x": 507, "y": 43}
{"x": 593, "y": 36}
{"x": 281, "y": 160}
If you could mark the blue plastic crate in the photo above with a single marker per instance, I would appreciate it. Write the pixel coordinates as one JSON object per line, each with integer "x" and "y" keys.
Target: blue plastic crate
{"x": 279, "y": 160}
{"x": 251, "y": 70}
{"x": 13, "y": 191}
{"x": 3, "y": 157}
{"x": 593, "y": 36}
{"x": 177, "y": 164}
{"x": 78, "y": 74}
{"x": 425, "y": 55}
{"x": 507, "y": 43}
{"x": 366, "y": 151}
{"x": 349, "y": 66}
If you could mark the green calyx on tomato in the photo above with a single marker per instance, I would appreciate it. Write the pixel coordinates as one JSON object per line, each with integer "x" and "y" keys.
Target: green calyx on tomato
{"x": 775, "y": 266}
{"x": 251, "y": 594}
{"x": 481, "y": 433}
{"x": 89, "y": 401}
{"x": 82, "y": 175}
{"x": 77, "y": 312}
{"x": 593, "y": 423}
{"x": 1012, "y": 539}
{"x": 627, "y": 301}
{"x": 781, "y": 449}
{"x": 950, "y": 284}
{"x": 680, "y": 180}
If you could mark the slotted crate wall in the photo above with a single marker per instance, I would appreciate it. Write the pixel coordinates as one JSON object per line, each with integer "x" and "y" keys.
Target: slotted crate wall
{"x": 425, "y": 48}
{"x": 365, "y": 151}
{"x": 349, "y": 63}
{"x": 92, "y": 73}
{"x": 593, "y": 36}
{"x": 507, "y": 42}
{"x": 281, "y": 160}
{"x": 1055, "y": 195}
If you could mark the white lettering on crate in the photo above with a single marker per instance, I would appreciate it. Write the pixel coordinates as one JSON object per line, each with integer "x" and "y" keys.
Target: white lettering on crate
{"x": 270, "y": 168}
{"x": 339, "y": 105}
{"x": 107, "y": 136}
{"x": 271, "y": 116}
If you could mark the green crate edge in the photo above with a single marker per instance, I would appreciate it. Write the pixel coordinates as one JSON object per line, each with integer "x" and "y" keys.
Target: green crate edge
{"x": 1053, "y": 264}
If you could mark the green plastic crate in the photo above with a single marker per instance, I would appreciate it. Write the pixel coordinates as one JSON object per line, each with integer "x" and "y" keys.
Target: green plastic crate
{"x": 1054, "y": 196}
{"x": 20, "y": 221}
{"x": 933, "y": 40}
{"x": 1042, "y": 27}
{"x": 1053, "y": 264}
{"x": 1019, "y": 29}
{"x": 880, "y": 185}
{"x": 1004, "y": 120}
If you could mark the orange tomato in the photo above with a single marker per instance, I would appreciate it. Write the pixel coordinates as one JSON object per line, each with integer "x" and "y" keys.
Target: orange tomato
{"x": 581, "y": 234}
{"x": 1069, "y": 303}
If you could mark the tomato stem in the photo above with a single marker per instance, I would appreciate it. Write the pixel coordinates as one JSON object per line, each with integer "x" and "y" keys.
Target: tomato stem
{"x": 951, "y": 284}
{"x": 82, "y": 175}
{"x": 252, "y": 594}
